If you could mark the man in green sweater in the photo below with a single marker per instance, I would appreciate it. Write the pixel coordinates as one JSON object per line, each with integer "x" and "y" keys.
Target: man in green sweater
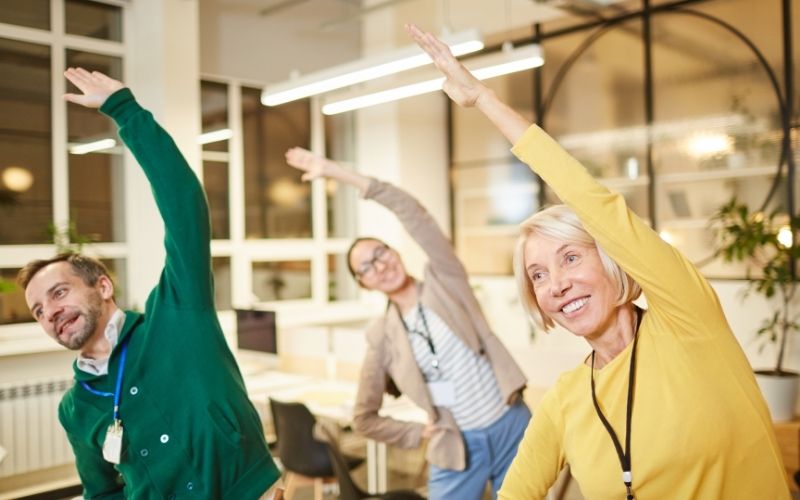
{"x": 159, "y": 408}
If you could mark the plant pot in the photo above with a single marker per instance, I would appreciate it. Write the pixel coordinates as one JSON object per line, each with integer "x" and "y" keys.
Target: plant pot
{"x": 780, "y": 392}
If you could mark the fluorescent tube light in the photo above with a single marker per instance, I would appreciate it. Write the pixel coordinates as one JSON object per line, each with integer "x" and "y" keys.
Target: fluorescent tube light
{"x": 91, "y": 147}
{"x": 502, "y": 63}
{"x": 215, "y": 136}
{"x": 365, "y": 69}
{"x": 383, "y": 96}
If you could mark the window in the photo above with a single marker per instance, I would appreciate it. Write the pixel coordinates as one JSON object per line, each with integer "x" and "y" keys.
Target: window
{"x": 715, "y": 132}
{"x": 339, "y": 146}
{"x": 277, "y": 239}
{"x": 93, "y": 19}
{"x": 25, "y": 143}
{"x": 282, "y": 280}
{"x": 221, "y": 266}
{"x": 48, "y": 187}
{"x": 13, "y": 308}
{"x": 277, "y": 202}
{"x": 28, "y": 13}
{"x": 493, "y": 191}
{"x": 96, "y": 197}
{"x": 215, "y": 141}
{"x": 341, "y": 284}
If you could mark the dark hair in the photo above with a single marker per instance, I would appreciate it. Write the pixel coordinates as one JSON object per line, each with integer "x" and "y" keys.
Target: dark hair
{"x": 87, "y": 268}
{"x": 350, "y": 251}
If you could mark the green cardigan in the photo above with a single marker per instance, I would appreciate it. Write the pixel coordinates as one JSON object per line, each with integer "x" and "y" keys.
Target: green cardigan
{"x": 189, "y": 428}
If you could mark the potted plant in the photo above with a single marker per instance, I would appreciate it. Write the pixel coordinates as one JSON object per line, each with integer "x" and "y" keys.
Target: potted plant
{"x": 765, "y": 244}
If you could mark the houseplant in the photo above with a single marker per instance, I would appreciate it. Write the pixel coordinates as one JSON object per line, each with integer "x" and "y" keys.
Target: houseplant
{"x": 763, "y": 242}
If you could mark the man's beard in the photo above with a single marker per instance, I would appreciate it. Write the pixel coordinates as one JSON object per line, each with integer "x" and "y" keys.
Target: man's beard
{"x": 91, "y": 316}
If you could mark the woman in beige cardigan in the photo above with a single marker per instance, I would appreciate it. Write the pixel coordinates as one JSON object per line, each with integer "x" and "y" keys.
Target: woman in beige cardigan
{"x": 436, "y": 346}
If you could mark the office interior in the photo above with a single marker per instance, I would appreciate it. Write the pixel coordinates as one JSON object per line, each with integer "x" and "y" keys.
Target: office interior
{"x": 677, "y": 104}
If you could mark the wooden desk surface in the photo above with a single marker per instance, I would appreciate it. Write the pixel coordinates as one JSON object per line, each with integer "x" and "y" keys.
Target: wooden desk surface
{"x": 788, "y": 435}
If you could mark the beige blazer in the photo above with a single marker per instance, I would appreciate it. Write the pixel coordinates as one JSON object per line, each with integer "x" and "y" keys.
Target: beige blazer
{"x": 447, "y": 291}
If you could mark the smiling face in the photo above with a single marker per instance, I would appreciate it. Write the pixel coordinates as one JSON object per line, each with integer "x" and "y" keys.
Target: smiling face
{"x": 68, "y": 309}
{"x": 378, "y": 267}
{"x": 571, "y": 285}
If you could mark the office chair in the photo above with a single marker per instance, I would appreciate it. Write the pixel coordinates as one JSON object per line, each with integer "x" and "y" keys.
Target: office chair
{"x": 348, "y": 489}
{"x": 304, "y": 458}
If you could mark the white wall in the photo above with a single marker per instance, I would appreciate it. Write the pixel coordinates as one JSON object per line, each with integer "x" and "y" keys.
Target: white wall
{"x": 239, "y": 43}
{"x": 745, "y": 317}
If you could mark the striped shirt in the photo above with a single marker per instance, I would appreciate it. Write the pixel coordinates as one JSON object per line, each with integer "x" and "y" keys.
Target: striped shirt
{"x": 479, "y": 402}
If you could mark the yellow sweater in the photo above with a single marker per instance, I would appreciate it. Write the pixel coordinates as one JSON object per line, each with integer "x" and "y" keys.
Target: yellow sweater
{"x": 700, "y": 426}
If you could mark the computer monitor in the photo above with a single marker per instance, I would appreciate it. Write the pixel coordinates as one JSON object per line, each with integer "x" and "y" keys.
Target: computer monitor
{"x": 256, "y": 330}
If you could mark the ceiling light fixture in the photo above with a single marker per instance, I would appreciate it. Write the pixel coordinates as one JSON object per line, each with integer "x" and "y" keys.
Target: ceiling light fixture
{"x": 222, "y": 134}
{"x": 365, "y": 69}
{"x": 91, "y": 147}
{"x": 500, "y": 63}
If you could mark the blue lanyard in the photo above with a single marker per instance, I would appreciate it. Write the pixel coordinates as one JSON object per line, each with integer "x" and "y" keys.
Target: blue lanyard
{"x": 118, "y": 390}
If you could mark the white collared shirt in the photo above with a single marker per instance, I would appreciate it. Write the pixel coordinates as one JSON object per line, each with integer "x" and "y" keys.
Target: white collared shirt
{"x": 112, "y": 331}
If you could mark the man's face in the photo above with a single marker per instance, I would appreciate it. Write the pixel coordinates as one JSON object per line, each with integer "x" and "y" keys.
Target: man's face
{"x": 68, "y": 309}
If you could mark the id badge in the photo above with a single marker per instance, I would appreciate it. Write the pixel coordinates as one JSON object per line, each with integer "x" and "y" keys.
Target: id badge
{"x": 112, "y": 446}
{"x": 443, "y": 393}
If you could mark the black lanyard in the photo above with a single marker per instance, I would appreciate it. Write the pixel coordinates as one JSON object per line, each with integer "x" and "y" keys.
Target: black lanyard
{"x": 426, "y": 334}
{"x": 624, "y": 458}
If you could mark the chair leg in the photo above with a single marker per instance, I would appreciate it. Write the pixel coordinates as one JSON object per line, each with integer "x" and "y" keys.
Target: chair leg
{"x": 318, "y": 488}
{"x": 291, "y": 486}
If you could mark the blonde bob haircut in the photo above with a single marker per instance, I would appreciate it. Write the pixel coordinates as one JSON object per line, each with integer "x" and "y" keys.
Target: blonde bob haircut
{"x": 559, "y": 222}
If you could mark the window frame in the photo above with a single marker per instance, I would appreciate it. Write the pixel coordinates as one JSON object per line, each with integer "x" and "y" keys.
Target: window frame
{"x": 21, "y": 338}
{"x": 243, "y": 252}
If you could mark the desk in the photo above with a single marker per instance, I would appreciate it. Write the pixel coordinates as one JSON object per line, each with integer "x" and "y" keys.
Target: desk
{"x": 788, "y": 434}
{"x": 334, "y": 400}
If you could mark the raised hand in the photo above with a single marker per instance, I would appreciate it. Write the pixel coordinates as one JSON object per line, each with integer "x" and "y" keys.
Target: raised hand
{"x": 313, "y": 165}
{"x": 96, "y": 87}
{"x": 460, "y": 85}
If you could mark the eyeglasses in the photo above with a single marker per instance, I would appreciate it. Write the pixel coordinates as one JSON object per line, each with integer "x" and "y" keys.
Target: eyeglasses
{"x": 367, "y": 269}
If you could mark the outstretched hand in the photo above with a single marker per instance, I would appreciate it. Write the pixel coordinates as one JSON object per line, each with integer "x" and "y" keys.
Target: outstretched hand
{"x": 314, "y": 166}
{"x": 460, "y": 85}
{"x": 96, "y": 87}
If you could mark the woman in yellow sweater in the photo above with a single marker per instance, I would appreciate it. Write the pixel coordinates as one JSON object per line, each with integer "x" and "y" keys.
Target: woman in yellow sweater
{"x": 666, "y": 406}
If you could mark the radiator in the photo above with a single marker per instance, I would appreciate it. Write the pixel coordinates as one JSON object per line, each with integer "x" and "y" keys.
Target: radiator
{"x": 29, "y": 427}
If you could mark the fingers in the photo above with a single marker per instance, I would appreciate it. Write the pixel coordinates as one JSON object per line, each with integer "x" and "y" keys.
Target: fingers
{"x": 428, "y": 42}
{"x": 421, "y": 38}
{"x": 107, "y": 81}
{"x": 94, "y": 82}
{"x": 76, "y": 98}
{"x": 79, "y": 77}
{"x": 102, "y": 77}
{"x": 300, "y": 158}
{"x": 438, "y": 51}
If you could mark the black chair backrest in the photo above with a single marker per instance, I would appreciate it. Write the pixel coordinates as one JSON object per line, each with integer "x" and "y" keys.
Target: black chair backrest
{"x": 297, "y": 448}
{"x": 348, "y": 490}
